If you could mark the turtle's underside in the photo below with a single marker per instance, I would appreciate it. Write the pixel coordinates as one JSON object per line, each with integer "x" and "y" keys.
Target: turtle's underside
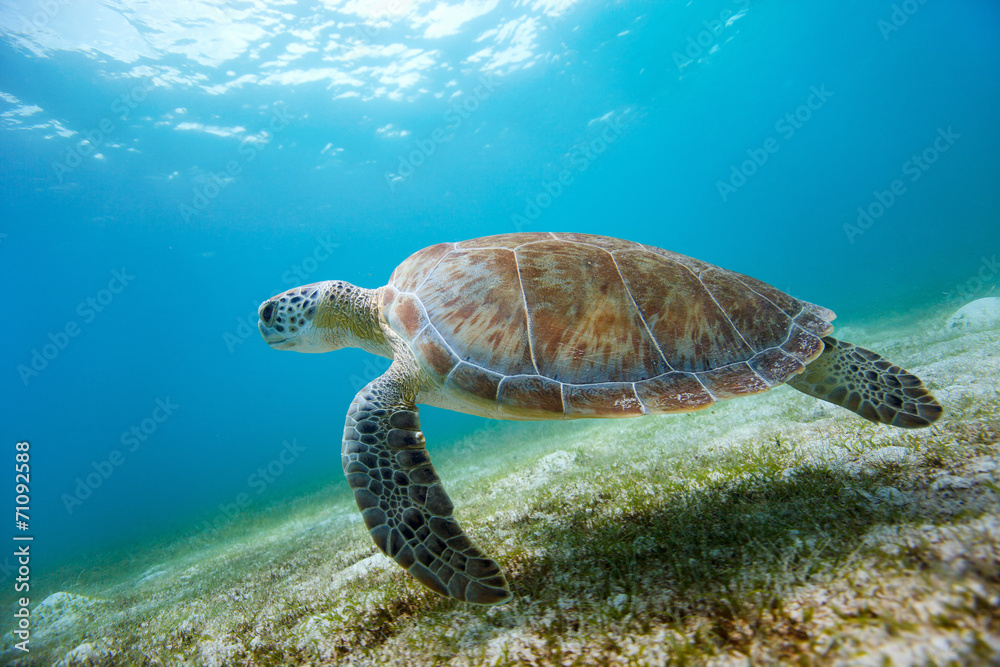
{"x": 555, "y": 326}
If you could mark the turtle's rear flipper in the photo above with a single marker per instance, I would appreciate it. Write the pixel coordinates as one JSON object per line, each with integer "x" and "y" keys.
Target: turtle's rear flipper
{"x": 401, "y": 499}
{"x": 862, "y": 381}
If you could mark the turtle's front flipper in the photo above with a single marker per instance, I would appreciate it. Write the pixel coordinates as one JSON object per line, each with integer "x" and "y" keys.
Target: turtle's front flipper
{"x": 862, "y": 381}
{"x": 402, "y": 501}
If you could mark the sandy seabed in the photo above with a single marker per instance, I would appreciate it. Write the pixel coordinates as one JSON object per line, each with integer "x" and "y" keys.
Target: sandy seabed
{"x": 772, "y": 529}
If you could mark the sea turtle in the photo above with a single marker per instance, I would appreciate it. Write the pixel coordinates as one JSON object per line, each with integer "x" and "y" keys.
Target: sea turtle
{"x": 555, "y": 326}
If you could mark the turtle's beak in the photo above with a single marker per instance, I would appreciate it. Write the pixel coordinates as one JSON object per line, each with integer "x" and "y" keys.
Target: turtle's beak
{"x": 272, "y": 337}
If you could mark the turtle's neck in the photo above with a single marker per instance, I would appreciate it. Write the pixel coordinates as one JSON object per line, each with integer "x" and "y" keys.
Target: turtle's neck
{"x": 362, "y": 313}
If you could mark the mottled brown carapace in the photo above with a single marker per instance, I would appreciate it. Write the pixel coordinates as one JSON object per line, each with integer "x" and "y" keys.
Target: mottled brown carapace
{"x": 547, "y": 324}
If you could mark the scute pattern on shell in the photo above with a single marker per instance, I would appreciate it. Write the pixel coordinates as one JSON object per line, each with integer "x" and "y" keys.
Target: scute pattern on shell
{"x": 543, "y": 325}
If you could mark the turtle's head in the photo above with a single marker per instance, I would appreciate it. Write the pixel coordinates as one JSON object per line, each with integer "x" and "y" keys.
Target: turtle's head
{"x": 320, "y": 317}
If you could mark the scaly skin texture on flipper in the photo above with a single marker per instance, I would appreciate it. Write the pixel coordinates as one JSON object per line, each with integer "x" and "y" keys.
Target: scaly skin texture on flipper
{"x": 863, "y": 382}
{"x": 401, "y": 498}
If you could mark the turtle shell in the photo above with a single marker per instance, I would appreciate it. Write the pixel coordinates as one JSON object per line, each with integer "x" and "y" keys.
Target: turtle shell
{"x": 544, "y": 325}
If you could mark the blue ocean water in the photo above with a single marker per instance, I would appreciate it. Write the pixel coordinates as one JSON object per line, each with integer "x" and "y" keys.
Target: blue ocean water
{"x": 168, "y": 167}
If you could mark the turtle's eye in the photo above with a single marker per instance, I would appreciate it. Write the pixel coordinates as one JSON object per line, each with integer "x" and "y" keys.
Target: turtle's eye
{"x": 267, "y": 313}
